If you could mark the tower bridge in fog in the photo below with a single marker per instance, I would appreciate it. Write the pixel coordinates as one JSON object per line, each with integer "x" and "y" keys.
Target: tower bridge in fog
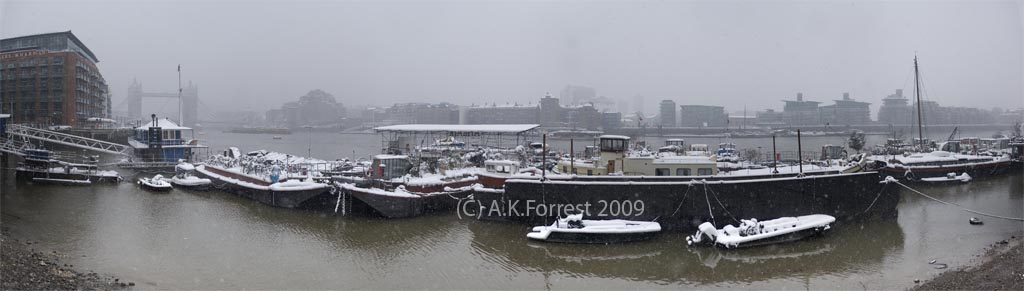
{"x": 132, "y": 103}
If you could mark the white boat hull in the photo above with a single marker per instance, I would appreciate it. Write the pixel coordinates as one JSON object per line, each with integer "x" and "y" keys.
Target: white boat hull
{"x": 754, "y": 233}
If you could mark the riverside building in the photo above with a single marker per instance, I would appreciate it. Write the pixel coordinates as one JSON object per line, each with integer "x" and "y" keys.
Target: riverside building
{"x": 51, "y": 79}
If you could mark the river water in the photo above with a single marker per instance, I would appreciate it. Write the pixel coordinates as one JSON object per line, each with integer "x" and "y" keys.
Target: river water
{"x": 214, "y": 240}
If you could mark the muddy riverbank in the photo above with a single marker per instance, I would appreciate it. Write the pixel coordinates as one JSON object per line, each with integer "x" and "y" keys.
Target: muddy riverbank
{"x": 1000, "y": 269}
{"x": 23, "y": 267}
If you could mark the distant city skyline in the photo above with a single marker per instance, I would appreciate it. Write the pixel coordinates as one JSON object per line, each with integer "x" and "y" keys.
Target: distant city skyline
{"x": 256, "y": 56}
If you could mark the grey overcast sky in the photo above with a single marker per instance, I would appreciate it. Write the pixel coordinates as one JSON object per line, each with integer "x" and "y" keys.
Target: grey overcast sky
{"x": 257, "y": 55}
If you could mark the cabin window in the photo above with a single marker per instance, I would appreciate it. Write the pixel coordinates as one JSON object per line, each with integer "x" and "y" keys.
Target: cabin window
{"x": 662, "y": 172}
{"x": 490, "y": 168}
{"x": 574, "y": 170}
{"x": 590, "y": 172}
{"x": 683, "y": 172}
{"x": 613, "y": 145}
{"x": 704, "y": 171}
{"x": 565, "y": 169}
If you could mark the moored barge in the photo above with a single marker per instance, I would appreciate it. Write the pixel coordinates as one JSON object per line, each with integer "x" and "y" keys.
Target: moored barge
{"x": 285, "y": 193}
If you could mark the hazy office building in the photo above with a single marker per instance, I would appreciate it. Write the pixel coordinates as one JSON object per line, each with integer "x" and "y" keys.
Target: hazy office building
{"x": 611, "y": 121}
{"x": 503, "y": 114}
{"x": 935, "y": 114}
{"x": 581, "y": 117}
{"x": 667, "y": 113}
{"x": 702, "y": 116}
{"x": 895, "y": 109}
{"x": 422, "y": 113}
{"x": 770, "y": 118}
{"x": 846, "y": 112}
{"x": 550, "y": 111}
{"x": 799, "y": 112}
{"x": 51, "y": 79}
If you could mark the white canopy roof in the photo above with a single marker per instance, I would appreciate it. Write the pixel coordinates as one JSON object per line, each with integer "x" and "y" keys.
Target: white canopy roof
{"x": 464, "y": 128}
{"x": 165, "y": 124}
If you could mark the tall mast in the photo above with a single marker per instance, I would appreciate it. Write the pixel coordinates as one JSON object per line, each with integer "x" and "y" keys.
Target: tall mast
{"x": 917, "y": 91}
{"x": 180, "y": 121}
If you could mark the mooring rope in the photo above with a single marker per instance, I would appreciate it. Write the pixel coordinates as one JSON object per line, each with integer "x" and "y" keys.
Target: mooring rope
{"x": 708, "y": 200}
{"x": 713, "y": 194}
{"x": 338, "y": 203}
{"x": 688, "y": 186}
{"x": 957, "y": 205}
{"x": 876, "y": 198}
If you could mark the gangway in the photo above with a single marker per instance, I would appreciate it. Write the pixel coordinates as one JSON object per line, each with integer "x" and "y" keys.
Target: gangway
{"x": 18, "y": 130}
{"x": 13, "y": 146}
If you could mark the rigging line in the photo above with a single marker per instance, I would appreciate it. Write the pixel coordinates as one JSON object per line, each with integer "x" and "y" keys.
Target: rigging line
{"x": 713, "y": 194}
{"x": 910, "y": 73}
{"x": 958, "y": 205}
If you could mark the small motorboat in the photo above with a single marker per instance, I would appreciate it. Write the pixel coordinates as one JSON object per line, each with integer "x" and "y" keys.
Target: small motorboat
{"x": 277, "y": 137}
{"x": 754, "y": 233}
{"x": 184, "y": 178}
{"x": 950, "y": 177}
{"x": 975, "y": 221}
{"x": 575, "y": 229}
{"x": 157, "y": 183}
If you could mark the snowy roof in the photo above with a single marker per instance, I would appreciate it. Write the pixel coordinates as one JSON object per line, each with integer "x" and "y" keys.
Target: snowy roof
{"x": 611, "y": 136}
{"x": 164, "y": 124}
{"x": 5, "y": 115}
{"x": 478, "y": 128}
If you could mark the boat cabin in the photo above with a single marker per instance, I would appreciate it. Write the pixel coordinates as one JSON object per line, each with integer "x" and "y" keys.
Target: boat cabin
{"x": 952, "y": 146}
{"x": 673, "y": 145}
{"x": 614, "y": 158}
{"x": 162, "y": 140}
{"x": 1017, "y": 150}
{"x": 676, "y": 142}
{"x": 833, "y": 152}
{"x": 387, "y": 167}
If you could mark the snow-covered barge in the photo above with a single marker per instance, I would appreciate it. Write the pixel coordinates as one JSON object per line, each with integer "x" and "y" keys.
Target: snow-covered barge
{"x": 287, "y": 193}
{"x": 390, "y": 191}
{"x": 260, "y": 176}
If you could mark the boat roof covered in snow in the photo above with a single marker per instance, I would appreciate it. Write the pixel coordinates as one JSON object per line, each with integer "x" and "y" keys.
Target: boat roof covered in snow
{"x": 163, "y": 123}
